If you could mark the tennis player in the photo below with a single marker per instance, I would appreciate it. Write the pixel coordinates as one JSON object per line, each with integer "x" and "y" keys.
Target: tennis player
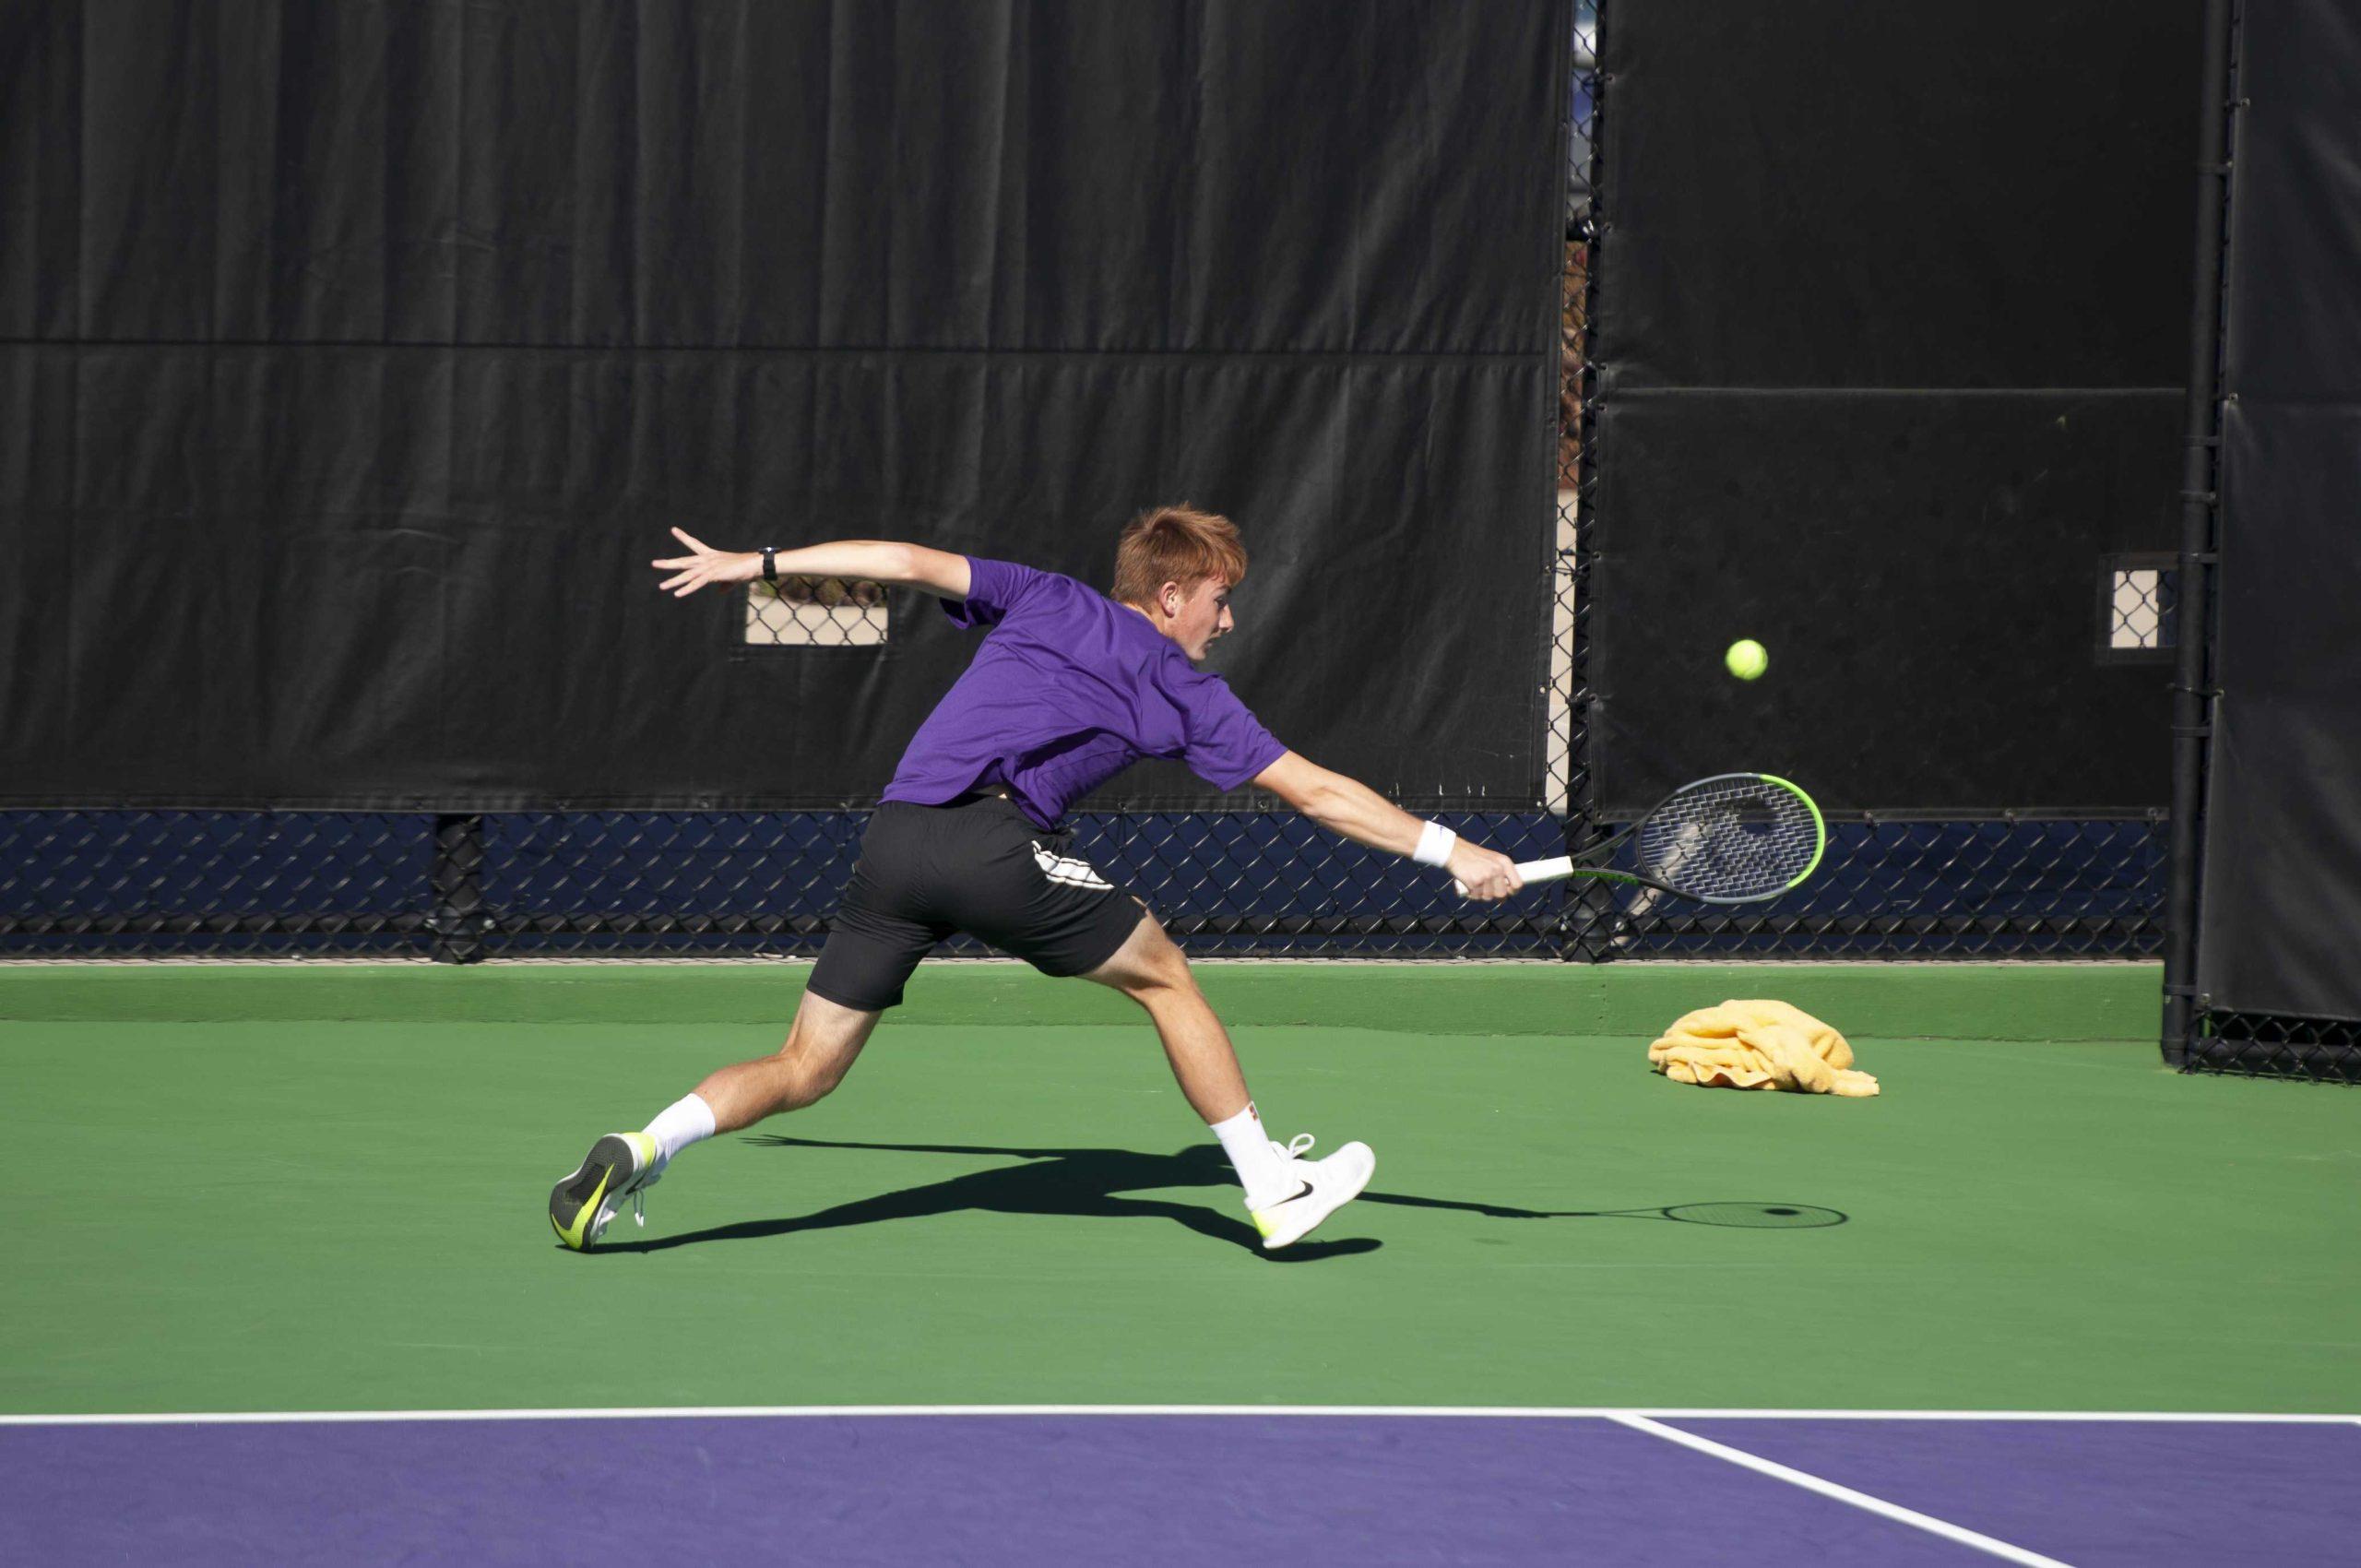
{"x": 1069, "y": 688}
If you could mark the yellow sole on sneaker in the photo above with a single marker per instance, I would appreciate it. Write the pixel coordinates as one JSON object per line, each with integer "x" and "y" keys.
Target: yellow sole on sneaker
{"x": 582, "y": 1203}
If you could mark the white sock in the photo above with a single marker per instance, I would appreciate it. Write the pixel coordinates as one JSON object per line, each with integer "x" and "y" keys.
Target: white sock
{"x": 686, "y": 1121}
{"x": 1262, "y": 1169}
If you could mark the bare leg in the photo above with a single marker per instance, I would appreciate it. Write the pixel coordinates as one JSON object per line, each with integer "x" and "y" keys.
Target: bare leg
{"x": 1150, "y": 970}
{"x": 820, "y": 1047}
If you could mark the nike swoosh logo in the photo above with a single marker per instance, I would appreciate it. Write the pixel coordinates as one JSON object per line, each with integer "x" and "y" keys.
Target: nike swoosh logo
{"x": 1292, "y": 1197}
{"x": 572, "y": 1235}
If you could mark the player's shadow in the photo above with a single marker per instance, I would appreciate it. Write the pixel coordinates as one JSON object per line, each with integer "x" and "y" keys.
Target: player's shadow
{"x": 1083, "y": 1183}
{"x": 1095, "y": 1184}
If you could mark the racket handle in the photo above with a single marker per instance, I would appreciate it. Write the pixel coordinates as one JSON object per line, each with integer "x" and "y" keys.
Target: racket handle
{"x": 1556, "y": 869}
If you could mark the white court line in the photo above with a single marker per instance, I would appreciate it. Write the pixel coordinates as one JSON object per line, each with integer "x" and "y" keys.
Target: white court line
{"x": 1861, "y": 1500}
{"x": 1496, "y": 1412}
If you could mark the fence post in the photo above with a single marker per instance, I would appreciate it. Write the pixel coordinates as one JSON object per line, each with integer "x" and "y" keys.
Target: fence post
{"x": 1587, "y": 910}
{"x": 2200, "y": 527}
{"x": 458, "y": 920}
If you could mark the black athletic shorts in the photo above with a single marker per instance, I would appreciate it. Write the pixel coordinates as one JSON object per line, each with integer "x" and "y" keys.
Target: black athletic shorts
{"x": 977, "y": 866}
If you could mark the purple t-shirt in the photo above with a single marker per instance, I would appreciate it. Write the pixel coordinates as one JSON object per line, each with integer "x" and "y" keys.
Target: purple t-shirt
{"x": 1068, "y": 689}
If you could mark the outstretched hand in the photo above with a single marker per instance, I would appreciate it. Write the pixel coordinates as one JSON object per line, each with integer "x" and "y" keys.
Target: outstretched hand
{"x": 692, "y": 571}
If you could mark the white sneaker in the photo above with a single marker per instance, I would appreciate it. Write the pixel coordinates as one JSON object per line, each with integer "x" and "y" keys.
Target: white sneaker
{"x": 1321, "y": 1187}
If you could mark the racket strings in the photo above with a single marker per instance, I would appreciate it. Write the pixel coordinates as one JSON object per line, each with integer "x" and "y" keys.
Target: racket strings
{"x": 1738, "y": 837}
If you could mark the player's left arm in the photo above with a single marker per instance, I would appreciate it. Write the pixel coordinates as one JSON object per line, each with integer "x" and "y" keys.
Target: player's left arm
{"x": 939, "y": 572}
{"x": 1350, "y": 808}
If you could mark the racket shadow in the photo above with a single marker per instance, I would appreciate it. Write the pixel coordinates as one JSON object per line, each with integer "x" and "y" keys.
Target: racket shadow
{"x": 1092, "y": 1183}
{"x": 1730, "y": 1214}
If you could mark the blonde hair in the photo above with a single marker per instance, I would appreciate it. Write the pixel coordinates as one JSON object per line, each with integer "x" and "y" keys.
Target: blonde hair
{"x": 1176, "y": 544}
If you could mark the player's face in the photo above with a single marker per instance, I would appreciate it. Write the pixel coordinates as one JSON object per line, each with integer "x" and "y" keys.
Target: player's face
{"x": 1202, "y": 616}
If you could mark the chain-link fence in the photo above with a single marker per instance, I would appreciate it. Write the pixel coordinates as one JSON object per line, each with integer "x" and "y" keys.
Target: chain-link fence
{"x": 1246, "y": 881}
{"x": 1243, "y": 883}
{"x": 2275, "y": 1045}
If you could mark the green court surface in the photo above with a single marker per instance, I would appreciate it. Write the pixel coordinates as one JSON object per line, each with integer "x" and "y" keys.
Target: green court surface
{"x": 285, "y": 1187}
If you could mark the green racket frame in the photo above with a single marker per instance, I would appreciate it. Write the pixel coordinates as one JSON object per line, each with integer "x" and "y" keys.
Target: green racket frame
{"x": 1560, "y": 867}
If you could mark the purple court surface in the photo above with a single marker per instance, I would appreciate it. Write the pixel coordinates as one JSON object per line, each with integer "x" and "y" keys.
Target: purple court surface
{"x": 1181, "y": 1488}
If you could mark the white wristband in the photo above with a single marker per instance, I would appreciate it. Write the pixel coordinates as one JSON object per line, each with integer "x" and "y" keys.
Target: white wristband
{"x": 1434, "y": 845}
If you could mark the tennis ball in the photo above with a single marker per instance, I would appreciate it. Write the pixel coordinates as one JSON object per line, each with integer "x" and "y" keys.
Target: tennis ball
{"x": 1747, "y": 659}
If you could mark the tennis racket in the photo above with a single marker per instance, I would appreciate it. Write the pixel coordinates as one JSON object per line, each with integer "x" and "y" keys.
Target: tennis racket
{"x": 1733, "y": 839}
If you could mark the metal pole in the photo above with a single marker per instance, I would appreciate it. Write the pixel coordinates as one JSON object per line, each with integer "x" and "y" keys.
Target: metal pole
{"x": 457, "y": 922}
{"x": 2201, "y": 469}
{"x": 1587, "y": 910}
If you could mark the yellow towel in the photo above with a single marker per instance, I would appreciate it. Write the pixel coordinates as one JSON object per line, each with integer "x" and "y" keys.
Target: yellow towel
{"x": 1759, "y": 1045}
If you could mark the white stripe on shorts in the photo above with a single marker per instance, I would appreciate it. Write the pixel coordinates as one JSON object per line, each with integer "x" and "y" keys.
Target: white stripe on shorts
{"x": 1067, "y": 871}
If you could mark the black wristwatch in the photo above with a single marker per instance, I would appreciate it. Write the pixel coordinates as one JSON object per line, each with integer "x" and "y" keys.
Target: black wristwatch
{"x": 770, "y": 564}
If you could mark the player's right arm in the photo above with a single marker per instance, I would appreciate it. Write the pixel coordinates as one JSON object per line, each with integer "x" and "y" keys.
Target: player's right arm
{"x": 939, "y": 572}
{"x": 1348, "y": 807}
